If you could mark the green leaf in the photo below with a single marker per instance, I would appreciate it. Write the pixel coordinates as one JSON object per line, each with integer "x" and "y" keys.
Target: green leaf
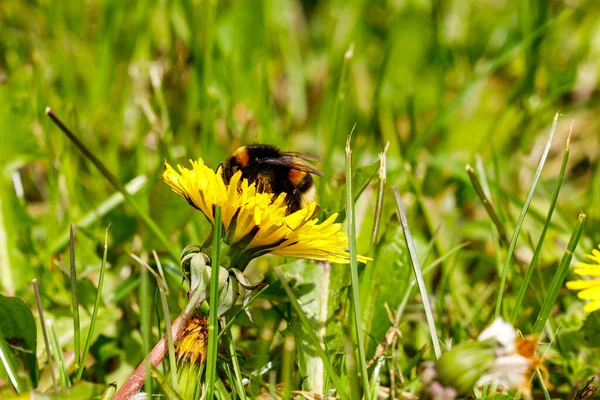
{"x": 318, "y": 287}
{"x": 17, "y": 327}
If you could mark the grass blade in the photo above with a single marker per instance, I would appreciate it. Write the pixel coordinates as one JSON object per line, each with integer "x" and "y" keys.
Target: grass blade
{"x": 413, "y": 282}
{"x": 144, "y": 297}
{"x": 311, "y": 336}
{"x": 487, "y": 203}
{"x": 543, "y": 384}
{"x": 38, "y": 300}
{"x": 538, "y": 248}
{"x": 213, "y": 320}
{"x": 515, "y": 236}
{"x": 63, "y": 374}
{"x": 88, "y": 339}
{"x": 351, "y": 225}
{"x": 379, "y": 203}
{"x": 116, "y": 184}
{"x": 559, "y": 276}
{"x": 75, "y": 299}
{"x": 238, "y": 381}
{"x": 414, "y": 260}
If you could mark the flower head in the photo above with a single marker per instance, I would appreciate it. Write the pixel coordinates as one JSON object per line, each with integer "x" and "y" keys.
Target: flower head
{"x": 193, "y": 344}
{"x": 515, "y": 358}
{"x": 255, "y": 222}
{"x": 191, "y": 351}
{"x": 589, "y": 289}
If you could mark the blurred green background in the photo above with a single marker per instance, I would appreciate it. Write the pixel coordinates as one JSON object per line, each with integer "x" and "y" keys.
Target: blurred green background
{"x": 446, "y": 83}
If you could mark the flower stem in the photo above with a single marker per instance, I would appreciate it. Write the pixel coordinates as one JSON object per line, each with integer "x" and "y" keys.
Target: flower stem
{"x": 213, "y": 327}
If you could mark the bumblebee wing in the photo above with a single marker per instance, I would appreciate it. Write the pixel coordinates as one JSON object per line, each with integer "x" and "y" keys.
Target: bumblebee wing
{"x": 302, "y": 155}
{"x": 293, "y": 162}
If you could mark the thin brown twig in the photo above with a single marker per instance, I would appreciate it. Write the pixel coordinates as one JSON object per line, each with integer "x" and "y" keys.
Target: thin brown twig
{"x": 383, "y": 347}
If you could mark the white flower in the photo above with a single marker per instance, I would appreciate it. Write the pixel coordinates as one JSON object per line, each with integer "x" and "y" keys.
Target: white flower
{"x": 503, "y": 333}
{"x": 507, "y": 372}
{"x": 515, "y": 358}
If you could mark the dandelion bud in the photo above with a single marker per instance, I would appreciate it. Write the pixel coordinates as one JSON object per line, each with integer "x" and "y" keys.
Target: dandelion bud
{"x": 197, "y": 269}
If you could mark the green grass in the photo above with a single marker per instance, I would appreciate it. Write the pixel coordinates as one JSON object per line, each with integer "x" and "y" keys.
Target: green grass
{"x": 519, "y": 225}
{"x": 440, "y": 85}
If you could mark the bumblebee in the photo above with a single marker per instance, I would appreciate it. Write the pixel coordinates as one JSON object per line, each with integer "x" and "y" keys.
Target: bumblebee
{"x": 275, "y": 171}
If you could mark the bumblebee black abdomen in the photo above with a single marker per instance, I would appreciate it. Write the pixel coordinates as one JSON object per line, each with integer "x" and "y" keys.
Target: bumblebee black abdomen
{"x": 274, "y": 171}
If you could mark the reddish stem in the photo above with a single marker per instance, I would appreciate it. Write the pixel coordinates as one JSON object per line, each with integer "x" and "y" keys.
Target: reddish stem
{"x": 136, "y": 380}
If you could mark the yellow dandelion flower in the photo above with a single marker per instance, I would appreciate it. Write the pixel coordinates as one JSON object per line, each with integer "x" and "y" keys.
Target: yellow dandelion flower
{"x": 257, "y": 223}
{"x": 589, "y": 289}
{"x": 193, "y": 344}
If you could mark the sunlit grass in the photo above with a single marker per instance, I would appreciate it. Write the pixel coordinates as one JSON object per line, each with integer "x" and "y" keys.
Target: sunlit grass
{"x": 438, "y": 86}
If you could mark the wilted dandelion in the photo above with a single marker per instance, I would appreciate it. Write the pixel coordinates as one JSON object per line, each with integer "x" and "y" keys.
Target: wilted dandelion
{"x": 589, "y": 289}
{"x": 191, "y": 353}
{"x": 193, "y": 344}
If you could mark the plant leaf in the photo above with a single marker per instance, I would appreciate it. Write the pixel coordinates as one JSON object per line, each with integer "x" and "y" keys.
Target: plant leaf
{"x": 17, "y": 327}
{"x": 318, "y": 287}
